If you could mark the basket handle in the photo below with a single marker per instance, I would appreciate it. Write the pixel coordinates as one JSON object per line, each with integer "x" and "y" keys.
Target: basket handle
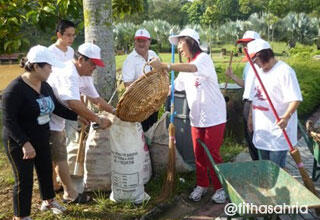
{"x": 144, "y": 68}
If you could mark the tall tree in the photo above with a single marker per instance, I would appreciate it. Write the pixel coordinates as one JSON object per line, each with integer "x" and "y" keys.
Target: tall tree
{"x": 98, "y": 30}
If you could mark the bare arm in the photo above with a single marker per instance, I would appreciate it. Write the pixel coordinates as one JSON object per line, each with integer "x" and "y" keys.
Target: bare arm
{"x": 290, "y": 110}
{"x": 249, "y": 122}
{"x": 81, "y": 109}
{"x": 102, "y": 104}
{"x": 178, "y": 67}
{"x": 236, "y": 79}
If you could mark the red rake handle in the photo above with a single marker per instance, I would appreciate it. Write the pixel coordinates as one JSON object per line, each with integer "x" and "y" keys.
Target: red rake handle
{"x": 268, "y": 98}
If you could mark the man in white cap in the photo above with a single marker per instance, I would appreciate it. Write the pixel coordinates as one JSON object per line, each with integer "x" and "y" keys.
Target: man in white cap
{"x": 68, "y": 87}
{"x": 132, "y": 67}
{"x": 283, "y": 89}
{"x": 246, "y": 82}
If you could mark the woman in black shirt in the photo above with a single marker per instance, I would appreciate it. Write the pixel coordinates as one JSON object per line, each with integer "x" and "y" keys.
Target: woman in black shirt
{"x": 27, "y": 104}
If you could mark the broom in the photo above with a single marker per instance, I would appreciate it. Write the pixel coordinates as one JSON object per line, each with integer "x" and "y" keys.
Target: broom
{"x": 293, "y": 152}
{"x": 169, "y": 184}
{"x": 79, "y": 165}
{"x": 230, "y": 63}
{"x": 224, "y": 92}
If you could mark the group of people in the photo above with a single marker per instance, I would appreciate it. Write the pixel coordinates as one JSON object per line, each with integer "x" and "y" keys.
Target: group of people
{"x": 36, "y": 104}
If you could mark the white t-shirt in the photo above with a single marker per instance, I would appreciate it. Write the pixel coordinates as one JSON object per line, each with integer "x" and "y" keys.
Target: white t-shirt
{"x": 133, "y": 66}
{"x": 85, "y": 81}
{"x": 282, "y": 87}
{"x": 61, "y": 55}
{"x": 206, "y": 102}
{"x": 68, "y": 85}
{"x": 248, "y": 77}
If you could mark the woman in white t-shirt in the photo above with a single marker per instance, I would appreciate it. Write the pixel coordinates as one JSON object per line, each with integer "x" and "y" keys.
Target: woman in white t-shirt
{"x": 280, "y": 82}
{"x": 207, "y": 108}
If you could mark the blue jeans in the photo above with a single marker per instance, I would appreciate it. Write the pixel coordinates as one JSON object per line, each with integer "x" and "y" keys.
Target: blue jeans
{"x": 278, "y": 157}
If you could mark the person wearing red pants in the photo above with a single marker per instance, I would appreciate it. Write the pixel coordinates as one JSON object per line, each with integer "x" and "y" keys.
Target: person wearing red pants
{"x": 207, "y": 107}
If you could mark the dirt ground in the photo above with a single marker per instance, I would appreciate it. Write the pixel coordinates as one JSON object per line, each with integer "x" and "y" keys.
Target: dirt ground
{"x": 8, "y": 73}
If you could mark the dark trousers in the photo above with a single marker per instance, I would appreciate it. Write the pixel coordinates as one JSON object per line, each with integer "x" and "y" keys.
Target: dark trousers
{"x": 247, "y": 134}
{"x": 146, "y": 124}
{"x": 23, "y": 174}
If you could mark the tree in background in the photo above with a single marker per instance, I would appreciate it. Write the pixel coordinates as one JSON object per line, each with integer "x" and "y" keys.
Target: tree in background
{"x": 22, "y": 21}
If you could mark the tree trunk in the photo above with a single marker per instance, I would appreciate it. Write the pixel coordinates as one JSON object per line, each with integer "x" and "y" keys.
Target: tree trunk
{"x": 98, "y": 30}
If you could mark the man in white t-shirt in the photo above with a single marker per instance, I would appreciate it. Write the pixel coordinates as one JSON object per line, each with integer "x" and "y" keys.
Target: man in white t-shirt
{"x": 282, "y": 86}
{"x": 68, "y": 87}
{"x": 62, "y": 49}
{"x": 132, "y": 67}
{"x": 246, "y": 82}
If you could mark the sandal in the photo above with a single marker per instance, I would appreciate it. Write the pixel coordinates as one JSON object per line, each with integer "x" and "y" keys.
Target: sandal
{"x": 82, "y": 198}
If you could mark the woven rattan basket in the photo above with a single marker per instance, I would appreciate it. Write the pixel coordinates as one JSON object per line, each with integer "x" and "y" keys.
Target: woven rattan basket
{"x": 143, "y": 97}
{"x": 313, "y": 132}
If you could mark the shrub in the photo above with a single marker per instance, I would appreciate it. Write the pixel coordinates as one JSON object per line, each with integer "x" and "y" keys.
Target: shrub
{"x": 309, "y": 79}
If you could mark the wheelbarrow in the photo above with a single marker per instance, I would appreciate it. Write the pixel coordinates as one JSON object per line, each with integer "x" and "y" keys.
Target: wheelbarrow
{"x": 254, "y": 186}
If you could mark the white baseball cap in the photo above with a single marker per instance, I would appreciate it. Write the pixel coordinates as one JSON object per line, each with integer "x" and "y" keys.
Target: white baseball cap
{"x": 256, "y": 46}
{"x": 142, "y": 34}
{"x": 188, "y": 32}
{"x": 41, "y": 54}
{"x": 91, "y": 51}
{"x": 249, "y": 36}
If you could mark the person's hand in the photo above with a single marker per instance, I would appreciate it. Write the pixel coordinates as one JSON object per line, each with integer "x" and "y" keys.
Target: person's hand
{"x": 104, "y": 123}
{"x": 28, "y": 151}
{"x": 283, "y": 123}
{"x": 155, "y": 63}
{"x": 229, "y": 72}
{"x": 83, "y": 121}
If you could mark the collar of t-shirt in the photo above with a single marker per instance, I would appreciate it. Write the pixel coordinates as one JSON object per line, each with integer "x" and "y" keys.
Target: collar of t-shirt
{"x": 197, "y": 54}
{"x": 138, "y": 55}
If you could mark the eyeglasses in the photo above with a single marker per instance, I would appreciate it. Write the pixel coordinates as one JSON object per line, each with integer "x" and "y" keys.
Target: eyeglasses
{"x": 254, "y": 59}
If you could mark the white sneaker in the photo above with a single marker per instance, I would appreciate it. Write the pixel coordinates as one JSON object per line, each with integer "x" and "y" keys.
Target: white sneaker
{"x": 197, "y": 193}
{"x": 54, "y": 206}
{"x": 219, "y": 196}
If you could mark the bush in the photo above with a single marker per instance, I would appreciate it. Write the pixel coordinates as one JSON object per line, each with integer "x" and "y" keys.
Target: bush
{"x": 303, "y": 51}
{"x": 309, "y": 79}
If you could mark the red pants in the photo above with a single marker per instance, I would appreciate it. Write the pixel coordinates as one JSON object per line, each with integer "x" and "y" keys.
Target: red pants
{"x": 213, "y": 138}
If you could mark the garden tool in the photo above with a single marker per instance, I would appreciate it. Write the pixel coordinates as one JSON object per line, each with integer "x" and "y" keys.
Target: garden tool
{"x": 169, "y": 184}
{"x": 79, "y": 165}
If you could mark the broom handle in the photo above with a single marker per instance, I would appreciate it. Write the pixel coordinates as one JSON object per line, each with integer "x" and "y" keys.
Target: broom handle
{"x": 230, "y": 63}
{"x": 78, "y": 168}
{"x": 268, "y": 98}
{"x": 172, "y": 87}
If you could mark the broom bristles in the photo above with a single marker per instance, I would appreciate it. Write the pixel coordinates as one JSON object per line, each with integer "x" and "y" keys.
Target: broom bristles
{"x": 305, "y": 177}
{"x": 169, "y": 183}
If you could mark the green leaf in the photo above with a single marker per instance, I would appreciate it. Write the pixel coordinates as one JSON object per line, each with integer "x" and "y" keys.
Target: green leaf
{"x": 7, "y": 45}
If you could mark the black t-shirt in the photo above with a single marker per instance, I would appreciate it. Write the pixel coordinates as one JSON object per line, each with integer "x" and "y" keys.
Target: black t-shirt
{"x": 26, "y": 113}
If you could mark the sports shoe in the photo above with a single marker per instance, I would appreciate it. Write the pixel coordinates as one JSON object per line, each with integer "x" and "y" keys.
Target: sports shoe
{"x": 197, "y": 193}
{"x": 54, "y": 206}
{"x": 219, "y": 196}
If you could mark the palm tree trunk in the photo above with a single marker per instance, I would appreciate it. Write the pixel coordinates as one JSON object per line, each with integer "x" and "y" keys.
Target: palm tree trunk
{"x": 98, "y": 30}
